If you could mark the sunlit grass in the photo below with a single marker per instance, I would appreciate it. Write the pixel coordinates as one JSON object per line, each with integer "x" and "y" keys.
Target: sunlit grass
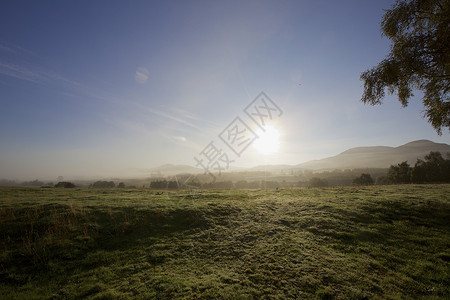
{"x": 387, "y": 242}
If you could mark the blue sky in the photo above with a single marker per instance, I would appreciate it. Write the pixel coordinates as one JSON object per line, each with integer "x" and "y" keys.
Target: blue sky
{"x": 111, "y": 88}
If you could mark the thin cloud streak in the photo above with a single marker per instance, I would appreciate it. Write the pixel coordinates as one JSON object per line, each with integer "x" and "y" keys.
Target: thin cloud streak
{"x": 171, "y": 117}
{"x": 34, "y": 76}
{"x": 17, "y": 50}
{"x": 193, "y": 117}
{"x": 18, "y": 72}
{"x": 48, "y": 77}
{"x": 6, "y": 49}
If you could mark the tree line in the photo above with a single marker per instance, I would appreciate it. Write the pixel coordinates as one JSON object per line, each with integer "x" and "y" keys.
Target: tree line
{"x": 432, "y": 169}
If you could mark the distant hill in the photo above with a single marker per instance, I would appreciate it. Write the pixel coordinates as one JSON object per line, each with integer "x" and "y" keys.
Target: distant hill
{"x": 377, "y": 156}
{"x": 354, "y": 158}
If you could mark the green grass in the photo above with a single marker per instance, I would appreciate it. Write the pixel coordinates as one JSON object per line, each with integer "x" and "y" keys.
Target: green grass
{"x": 371, "y": 242}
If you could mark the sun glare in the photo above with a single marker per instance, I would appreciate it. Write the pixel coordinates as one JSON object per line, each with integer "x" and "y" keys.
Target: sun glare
{"x": 268, "y": 141}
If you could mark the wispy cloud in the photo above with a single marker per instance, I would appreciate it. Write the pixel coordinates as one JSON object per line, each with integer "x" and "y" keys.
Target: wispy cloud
{"x": 16, "y": 49}
{"x": 20, "y": 72}
{"x": 172, "y": 117}
{"x": 50, "y": 78}
{"x": 191, "y": 116}
{"x": 57, "y": 77}
{"x": 29, "y": 72}
{"x": 34, "y": 75}
{"x": 6, "y": 49}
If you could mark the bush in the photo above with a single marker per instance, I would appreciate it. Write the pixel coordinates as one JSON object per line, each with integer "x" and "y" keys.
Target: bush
{"x": 381, "y": 180}
{"x": 103, "y": 184}
{"x": 400, "y": 173}
{"x": 64, "y": 184}
{"x": 363, "y": 179}
{"x": 317, "y": 182}
{"x": 33, "y": 183}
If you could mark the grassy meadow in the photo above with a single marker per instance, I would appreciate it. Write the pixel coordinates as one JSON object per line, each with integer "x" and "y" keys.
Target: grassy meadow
{"x": 390, "y": 242}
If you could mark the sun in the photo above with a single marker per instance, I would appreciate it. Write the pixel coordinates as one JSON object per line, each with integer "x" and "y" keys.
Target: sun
{"x": 268, "y": 141}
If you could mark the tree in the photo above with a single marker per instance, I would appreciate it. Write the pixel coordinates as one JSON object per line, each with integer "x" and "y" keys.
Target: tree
{"x": 172, "y": 184}
{"x": 419, "y": 58}
{"x": 33, "y": 183}
{"x": 381, "y": 180}
{"x": 159, "y": 184}
{"x": 363, "y": 179}
{"x": 434, "y": 168}
{"x": 241, "y": 184}
{"x": 8, "y": 182}
{"x": 103, "y": 184}
{"x": 192, "y": 182}
{"x": 400, "y": 173}
{"x": 121, "y": 185}
{"x": 317, "y": 182}
{"x": 65, "y": 184}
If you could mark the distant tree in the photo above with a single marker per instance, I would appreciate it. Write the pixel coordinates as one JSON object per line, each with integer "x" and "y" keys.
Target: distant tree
{"x": 8, "y": 182}
{"x": 308, "y": 173}
{"x": 440, "y": 167}
{"x": 301, "y": 183}
{"x": 33, "y": 183}
{"x": 194, "y": 182}
{"x": 191, "y": 182}
{"x": 419, "y": 172}
{"x": 241, "y": 184}
{"x": 400, "y": 173}
{"x": 121, "y": 185}
{"x": 253, "y": 185}
{"x": 363, "y": 179}
{"x": 103, "y": 184}
{"x": 434, "y": 168}
{"x": 317, "y": 182}
{"x": 227, "y": 184}
{"x": 187, "y": 180}
{"x": 265, "y": 184}
{"x": 158, "y": 184}
{"x": 419, "y": 58}
{"x": 64, "y": 184}
{"x": 381, "y": 180}
{"x": 173, "y": 184}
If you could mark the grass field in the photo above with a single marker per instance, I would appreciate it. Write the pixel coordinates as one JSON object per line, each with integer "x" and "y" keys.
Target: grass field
{"x": 350, "y": 242}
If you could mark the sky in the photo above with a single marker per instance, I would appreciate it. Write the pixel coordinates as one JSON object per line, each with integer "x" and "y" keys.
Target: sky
{"x": 113, "y": 88}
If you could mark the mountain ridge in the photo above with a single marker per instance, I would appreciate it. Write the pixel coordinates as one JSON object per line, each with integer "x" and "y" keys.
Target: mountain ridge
{"x": 353, "y": 158}
{"x": 377, "y": 156}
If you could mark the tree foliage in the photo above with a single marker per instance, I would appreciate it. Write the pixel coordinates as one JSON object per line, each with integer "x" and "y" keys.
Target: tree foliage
{"x": 433, "y": 169}
{"x": 103, "y": 184}
{"x": 164, "y": 184}
{"x": 65, "y": 184}
{"x": 400, "y": 173}
{"x": 363, "y": 179}
{"x": 33, "y": 183}
{"x": 317, "y": 182}
{"x": 419, "y": 58}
